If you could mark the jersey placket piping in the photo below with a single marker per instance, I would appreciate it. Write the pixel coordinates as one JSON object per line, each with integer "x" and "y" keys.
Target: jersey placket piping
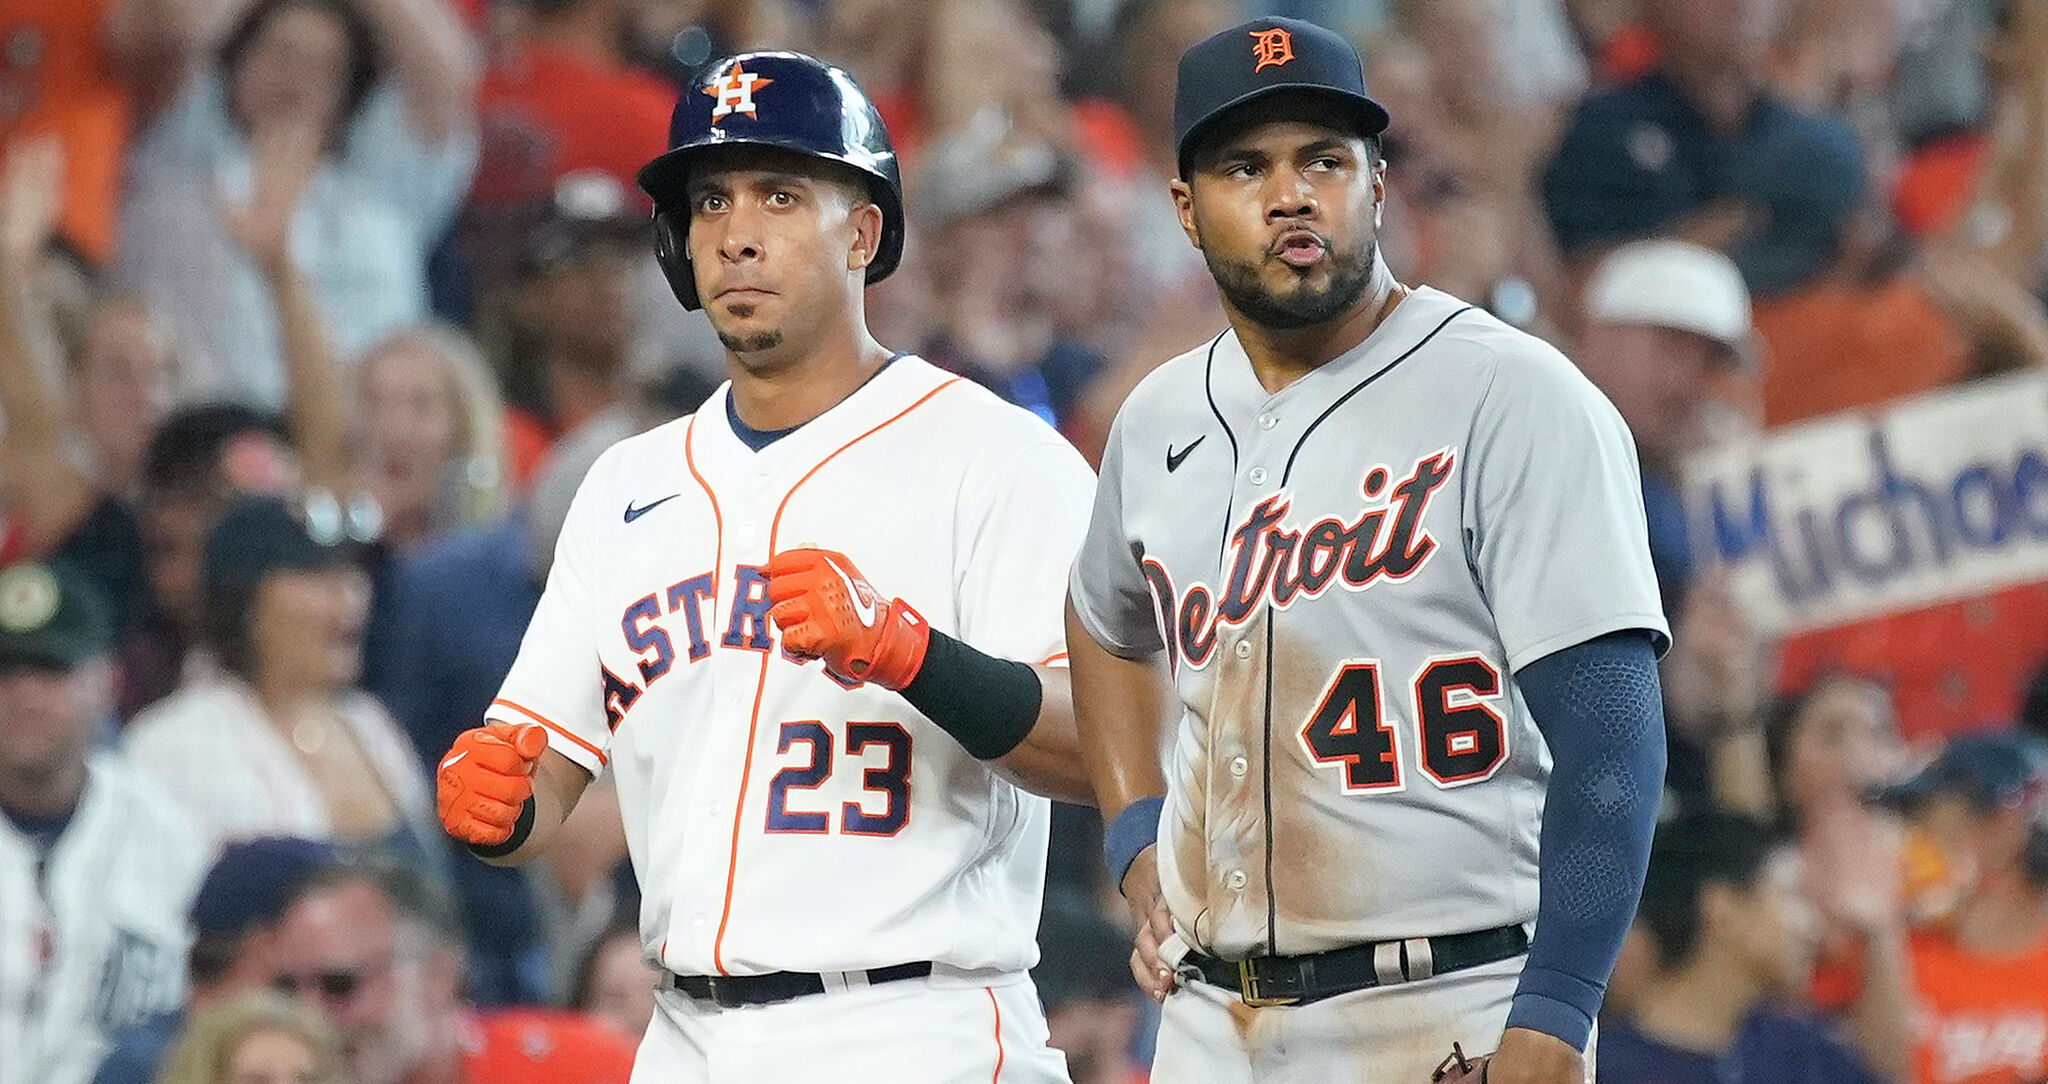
{"x": 1287, "y": 475}
{"x": 761, "y": 683}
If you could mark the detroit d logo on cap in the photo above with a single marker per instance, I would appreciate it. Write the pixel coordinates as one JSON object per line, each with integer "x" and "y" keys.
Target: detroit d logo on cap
{"x": 735, "y": 94}
{"x": 1272, "y": 48}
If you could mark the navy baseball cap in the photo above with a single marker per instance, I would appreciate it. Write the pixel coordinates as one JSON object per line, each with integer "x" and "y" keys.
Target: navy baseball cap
{"x": 51, "y": 617}
{"x": 252, "y": 880}
{"x": 1263, "y": 58}
{"x": 258, "y": 535}
{"x": 1991, "y": 771}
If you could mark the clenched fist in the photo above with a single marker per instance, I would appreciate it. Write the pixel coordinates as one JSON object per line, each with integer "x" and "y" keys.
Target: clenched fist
{"x": 485, "y": 779}
{"x": 827, "y": 611}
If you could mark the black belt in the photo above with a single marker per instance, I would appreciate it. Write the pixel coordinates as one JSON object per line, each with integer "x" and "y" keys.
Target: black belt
{"x": 1298, "y": 980}
{"x": 733, "y": 991}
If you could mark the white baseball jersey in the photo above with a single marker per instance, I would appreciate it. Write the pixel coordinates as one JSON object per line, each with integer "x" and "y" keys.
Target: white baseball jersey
{"x": 777, "y": 820}
{"x": 1346, "y": 573}
{"x": 93, "y": 938}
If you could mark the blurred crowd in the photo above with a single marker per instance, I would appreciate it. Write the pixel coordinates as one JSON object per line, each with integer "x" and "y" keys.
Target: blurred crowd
{"x": 313, "y": 313}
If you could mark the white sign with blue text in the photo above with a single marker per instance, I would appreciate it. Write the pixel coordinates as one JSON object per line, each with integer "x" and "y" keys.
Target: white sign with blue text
{"x": 1929, "y": 499}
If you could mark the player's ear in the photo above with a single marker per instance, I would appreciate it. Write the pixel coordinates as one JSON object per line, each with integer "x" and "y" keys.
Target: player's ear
{"x": 1184, "y": 206}
{"x": 1379, "y": 192}
{"x": 866, "y": 220}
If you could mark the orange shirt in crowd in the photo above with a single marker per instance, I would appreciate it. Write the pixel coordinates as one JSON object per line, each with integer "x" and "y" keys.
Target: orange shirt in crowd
{"x": 1838, "y": 345}
{"x": 1951, "y": 667}
{"x": 546, "y": 112}
{"x": 57, "y": 78}
{"x": 1982, "y": 1020}
{"x": 543, "y": 1046}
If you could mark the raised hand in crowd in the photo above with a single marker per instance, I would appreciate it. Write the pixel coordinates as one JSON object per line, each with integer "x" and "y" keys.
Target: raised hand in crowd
{"x": 286, "y": 155}
{"x": 44, "y": 491}
{"x": 1716, "y": 680}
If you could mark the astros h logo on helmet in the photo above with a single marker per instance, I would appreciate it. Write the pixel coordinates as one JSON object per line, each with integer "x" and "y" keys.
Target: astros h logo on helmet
{"x": 1272, "y": 48}
{"x": 735, "y": 94}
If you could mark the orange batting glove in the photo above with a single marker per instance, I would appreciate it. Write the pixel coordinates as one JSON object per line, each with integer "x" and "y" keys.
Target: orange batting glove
{"x": 827, "y": 611}
{"x": 485, "y": 779}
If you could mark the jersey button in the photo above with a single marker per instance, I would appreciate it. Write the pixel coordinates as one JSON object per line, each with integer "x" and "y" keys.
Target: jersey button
{"x": 1244, "y": 649}
{"x": 1258, "y": 476}
{"x": 1239, "y": 766}
{"x": 697, "y": 919}
{"x": 1235, "y": 880}
{"x": 1267, "y": 421}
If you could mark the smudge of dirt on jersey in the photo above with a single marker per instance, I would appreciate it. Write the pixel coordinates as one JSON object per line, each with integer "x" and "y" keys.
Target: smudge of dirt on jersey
{"x": 1236, "y": 811}
{"x": 1325, "y": 861}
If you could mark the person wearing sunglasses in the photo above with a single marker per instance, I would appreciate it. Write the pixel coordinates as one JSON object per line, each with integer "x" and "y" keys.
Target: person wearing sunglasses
{"x": 274, "y": 737}
{"x": 377, "y": 948}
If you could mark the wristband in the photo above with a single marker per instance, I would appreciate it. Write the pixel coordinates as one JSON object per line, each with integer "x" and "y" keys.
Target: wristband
{"x": 1126, "y": 837}
{"x": 989, "y": 705}
{"x": 521, "y": 828}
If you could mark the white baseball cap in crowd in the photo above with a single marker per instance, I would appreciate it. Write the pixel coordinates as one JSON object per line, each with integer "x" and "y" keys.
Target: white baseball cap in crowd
{"x": 1675, "y": 284}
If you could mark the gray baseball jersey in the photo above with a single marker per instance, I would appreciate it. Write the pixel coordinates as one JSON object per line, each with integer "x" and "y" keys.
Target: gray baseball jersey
{"x": 1345, "y": 574}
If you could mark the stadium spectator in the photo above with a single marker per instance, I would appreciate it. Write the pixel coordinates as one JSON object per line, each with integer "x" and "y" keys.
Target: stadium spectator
{"x": 378, "y": 949}
{"x": 237, "y": 907}
{"x": 197, "y": 462}
{"x": 614, "y": 983}
{"x": 277, "y": 739}
{"x": 260, "y": 1039}
{"x": 68, "y": 73}
{"x": 1734, "y": 937}
{"x": 437, "y": 677}
{"x": 1665, "y": 320}
{"x": 567, "y": 313}
{"x": 561, "y": 99}
{"x": 1980, "y": 961}
{"x": 97, "y": 866}
{"x": 1829, "y": 748}
{"x": 383, "y": 89}
{"x": 1702, "y": 149}
{"x": 1083, "y": 978}
{"x": 993, "y": 207}
{"x": 102, "y": 375}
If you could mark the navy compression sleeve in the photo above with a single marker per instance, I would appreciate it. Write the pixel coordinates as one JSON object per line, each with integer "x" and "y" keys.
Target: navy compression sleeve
{"x": 1600, "y": 709}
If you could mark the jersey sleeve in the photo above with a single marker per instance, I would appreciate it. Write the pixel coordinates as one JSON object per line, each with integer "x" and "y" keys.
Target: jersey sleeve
{"x": 1107, "y": 584}
{"x": 1554, "y": 507}
{"x": 557, "y": 680}
{"x": 1019, "y": 529}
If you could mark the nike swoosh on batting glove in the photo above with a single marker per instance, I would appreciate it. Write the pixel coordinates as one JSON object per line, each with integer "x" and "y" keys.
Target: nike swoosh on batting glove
{"x": 826, "y": 610}
{"x": 485, "y": 779}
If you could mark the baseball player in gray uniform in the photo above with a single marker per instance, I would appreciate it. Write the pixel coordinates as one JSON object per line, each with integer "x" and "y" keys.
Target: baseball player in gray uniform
{"x": 1389, "y": 557}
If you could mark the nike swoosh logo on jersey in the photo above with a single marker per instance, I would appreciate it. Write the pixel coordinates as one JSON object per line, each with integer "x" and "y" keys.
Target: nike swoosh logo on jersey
{"x": 861, "y": 606}
{"x": 1175, "y": 459}
{"x": 633, "y": 513}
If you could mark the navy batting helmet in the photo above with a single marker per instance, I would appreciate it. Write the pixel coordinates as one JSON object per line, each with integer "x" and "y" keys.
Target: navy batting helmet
{"x": 771, "y": 99}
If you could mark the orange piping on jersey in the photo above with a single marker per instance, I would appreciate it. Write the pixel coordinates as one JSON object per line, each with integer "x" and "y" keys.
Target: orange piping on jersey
{"x": 997, "y": 1006}
{"x": 1052, "y": 659}
{"x": 717, "y": 519}
{"x": 501, "y": 702}
{"x": 739, "y": 810}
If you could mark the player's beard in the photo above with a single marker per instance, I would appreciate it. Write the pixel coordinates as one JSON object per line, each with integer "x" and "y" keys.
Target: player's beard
{"x": 748, "y": 344}
{"x": 751, "y": 344}
{"x": 1350, "y": 276}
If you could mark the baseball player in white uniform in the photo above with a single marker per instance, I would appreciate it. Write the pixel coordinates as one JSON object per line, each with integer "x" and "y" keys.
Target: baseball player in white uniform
{"x": 822, "y": 783}
{"x": 1393, "y": 555}
{"x": 97, "y": 866}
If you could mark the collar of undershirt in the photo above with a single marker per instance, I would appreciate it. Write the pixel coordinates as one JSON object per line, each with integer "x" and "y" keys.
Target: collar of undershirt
{"x": 757, "y": 439}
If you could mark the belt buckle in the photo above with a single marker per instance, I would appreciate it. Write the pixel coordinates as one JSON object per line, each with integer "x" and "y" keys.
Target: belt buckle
{"x": 724, "y": 993}
{"x": 1256, "y": 990}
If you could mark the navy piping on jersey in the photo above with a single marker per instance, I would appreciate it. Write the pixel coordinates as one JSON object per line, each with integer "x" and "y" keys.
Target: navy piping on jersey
{"x": 1272, "y": 903}
{"x": 1209, "y": 390}
{"x": 757, "y": 439}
